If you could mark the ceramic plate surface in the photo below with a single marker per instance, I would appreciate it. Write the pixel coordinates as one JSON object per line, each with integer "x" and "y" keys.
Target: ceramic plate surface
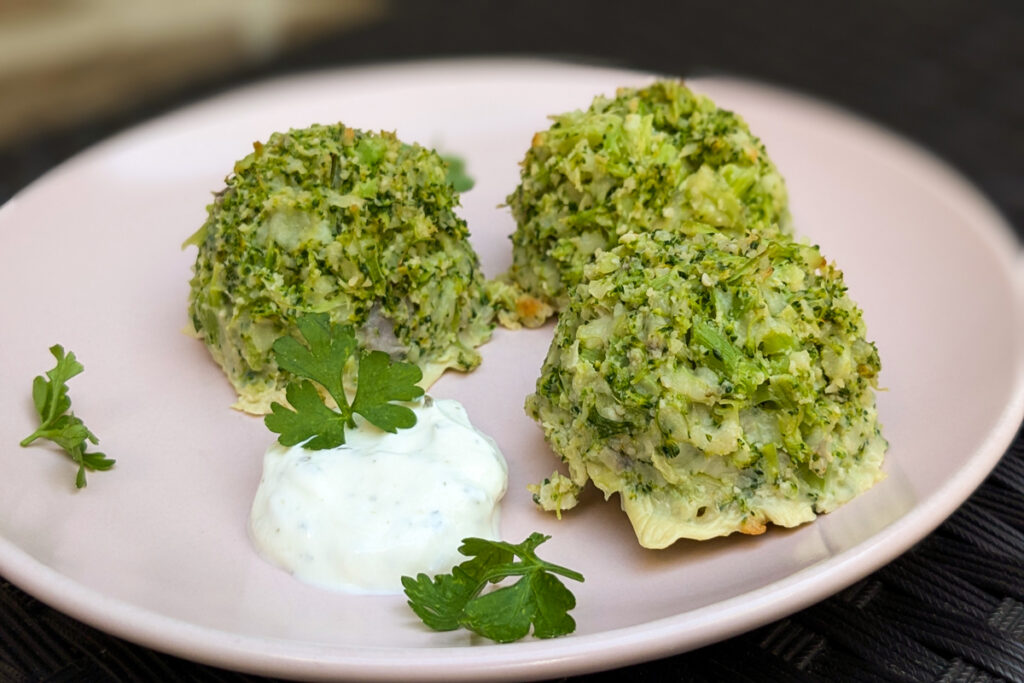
{"x": 156, "y": 550}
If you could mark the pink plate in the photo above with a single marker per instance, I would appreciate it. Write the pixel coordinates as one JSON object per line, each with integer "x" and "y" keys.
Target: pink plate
{"x": 156, "y": 550}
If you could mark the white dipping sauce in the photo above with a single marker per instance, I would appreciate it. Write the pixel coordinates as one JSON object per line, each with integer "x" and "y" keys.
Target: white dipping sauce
{"x": 358, "y": 517}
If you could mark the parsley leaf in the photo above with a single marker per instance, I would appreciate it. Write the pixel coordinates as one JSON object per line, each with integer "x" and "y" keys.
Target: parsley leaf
{"x": 457, "y": 176}
{"x": 311, "y": 420}
{"x": 380, "y": 381}
{"x": 322, "y": 359}
{"x": 539, "y": 597}
{"x": 56, "y": 423}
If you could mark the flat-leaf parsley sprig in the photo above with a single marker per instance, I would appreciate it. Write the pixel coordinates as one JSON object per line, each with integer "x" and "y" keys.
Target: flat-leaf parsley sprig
{"x": 328, "y": 348}
{"x": 539, "y": 597}
{"x": 56, "y": 421}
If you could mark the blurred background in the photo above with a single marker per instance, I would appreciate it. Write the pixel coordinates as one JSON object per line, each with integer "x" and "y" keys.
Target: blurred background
{"x": 67, "y": 62}
{"x": 948, "y": 73}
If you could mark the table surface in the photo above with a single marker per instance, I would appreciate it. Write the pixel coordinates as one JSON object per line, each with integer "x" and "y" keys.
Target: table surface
{"x": 947, "y": 74}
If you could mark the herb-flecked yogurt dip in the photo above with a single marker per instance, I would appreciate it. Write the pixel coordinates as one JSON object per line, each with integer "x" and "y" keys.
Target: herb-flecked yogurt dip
{"x": 331, "y": 219}
{"x": 360, "y": 516}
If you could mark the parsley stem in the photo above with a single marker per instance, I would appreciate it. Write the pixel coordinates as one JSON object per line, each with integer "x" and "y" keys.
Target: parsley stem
{"x": 31, "y": 437}
{"x": 522, "y": 569}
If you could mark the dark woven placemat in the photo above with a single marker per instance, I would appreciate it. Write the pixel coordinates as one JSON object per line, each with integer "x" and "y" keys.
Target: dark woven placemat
{"x": 949, "y": 74}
